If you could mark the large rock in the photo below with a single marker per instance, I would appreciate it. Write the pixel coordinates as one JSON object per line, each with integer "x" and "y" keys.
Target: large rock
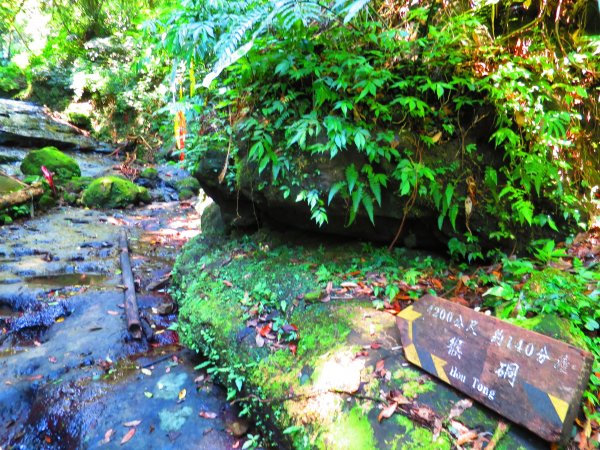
{"x": 313, "y": 366}
{"x": 63, "y": 166}
{"x": 113, "y": 192}
{"x": 255, "y": 199}
{"x": 29, "y": 125}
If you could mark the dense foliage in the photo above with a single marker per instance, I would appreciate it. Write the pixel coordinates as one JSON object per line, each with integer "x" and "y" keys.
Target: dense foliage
{"x": 87, "y": 58}
{"x": 398, "y": 83}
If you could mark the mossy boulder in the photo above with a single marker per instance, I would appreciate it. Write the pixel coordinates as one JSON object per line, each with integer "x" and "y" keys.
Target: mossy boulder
{"x": 187, "y": 187}
{"x": 150, "y": 173}
{"x": 314, "y": 366}
{"x": 113, "y": 192}
{"x": 63, "y": 166}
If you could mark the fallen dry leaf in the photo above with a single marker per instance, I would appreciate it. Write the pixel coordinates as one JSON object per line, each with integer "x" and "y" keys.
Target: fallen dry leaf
{"x": 199, "y": 379}
{"x": 424, "y": 413}
{"x": 265, "y": 330}
{"x": 293, "y": 349}
{"x": 459, "y": 300}
{"x": 128, "y": 436}
{"x": 387, "y": 412}
{"x": 466, "y": 437}
{"x": 207, "y": 414}
{"x": 260, "y": 341}
{"x": 501, "y": 430}
{"x": 397, "y": 397}
{"x": 459, "y": 407}
{"x": 108, "y": 435}
{"x": 132, "y": 423}
{"x": 227, "y": 283}
{"x": 437, "y": 429}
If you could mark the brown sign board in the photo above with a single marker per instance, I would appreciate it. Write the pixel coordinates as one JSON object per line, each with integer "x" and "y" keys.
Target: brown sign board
{"x": 529, "y": 378}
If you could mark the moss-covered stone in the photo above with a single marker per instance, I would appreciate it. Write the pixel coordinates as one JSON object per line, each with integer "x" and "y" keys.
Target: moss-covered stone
{"x": 149, "y": 173}
{"x": 323, "y": 388}
{"x": 46, "y": 201}
{"x": 78, "y": 184}
{"x": 186, "y": 194}
{"x": 113, "y": 192}
{"x": 63, "y": 166}
{"x": 189, "y": 184}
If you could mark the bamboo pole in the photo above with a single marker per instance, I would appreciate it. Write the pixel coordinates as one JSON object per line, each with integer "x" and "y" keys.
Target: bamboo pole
{"x": 131, "y": 308}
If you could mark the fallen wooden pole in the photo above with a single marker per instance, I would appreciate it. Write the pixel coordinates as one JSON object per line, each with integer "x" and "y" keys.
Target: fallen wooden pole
{"x": 21, "y": 196}
{"x": 131, "y": 308}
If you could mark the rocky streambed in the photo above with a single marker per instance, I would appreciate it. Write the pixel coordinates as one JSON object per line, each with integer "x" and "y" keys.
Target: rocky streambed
{"x": 71, "y": 375}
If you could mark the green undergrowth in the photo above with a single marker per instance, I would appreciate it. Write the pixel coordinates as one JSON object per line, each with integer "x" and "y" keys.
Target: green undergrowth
{"x": 557, "y": 285}
{"x": 277, "y": 314}
{"x": 225, "y": 285}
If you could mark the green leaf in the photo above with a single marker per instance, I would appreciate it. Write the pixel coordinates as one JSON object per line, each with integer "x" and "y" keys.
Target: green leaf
{"x": 368, "y": 204}
{"x": 264, "y": 162}
{"x": 353, "y": 9}
{"x": 375, "y": 188}
{"x": 334, "y": 189}
{"x": 351, "y": 177}
{"x": 592, "y": 324}
{"x": 448, "y": 194}
{"x": 504, "y": 291}
{"x": 293, "y": 429}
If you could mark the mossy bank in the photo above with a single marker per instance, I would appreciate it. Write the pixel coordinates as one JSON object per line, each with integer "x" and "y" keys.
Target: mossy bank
{"x": 285, "y": 328}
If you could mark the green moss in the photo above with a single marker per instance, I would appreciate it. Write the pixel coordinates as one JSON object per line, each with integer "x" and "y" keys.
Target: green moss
{"x": 186, "y": 194}
{"x": 188, "y": 184}
{"x": 46, "y": 201}
{"x": 80, "y": 119}
{"x": 63, "y": 166}
{"x": 555, "y": 327}
{"x": 77, "y": 185}
{"x": 352, "y": 432}
{"x": 113, "y": 192}
{"x": 149, "y": 173}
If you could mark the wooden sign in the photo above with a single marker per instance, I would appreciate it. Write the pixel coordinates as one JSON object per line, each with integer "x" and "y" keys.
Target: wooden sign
{"x": 529, "y": 378}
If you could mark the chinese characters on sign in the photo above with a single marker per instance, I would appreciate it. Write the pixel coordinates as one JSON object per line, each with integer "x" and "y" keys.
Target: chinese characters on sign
{"x": 529, "y": 378}
{"x": 506, "y": 370}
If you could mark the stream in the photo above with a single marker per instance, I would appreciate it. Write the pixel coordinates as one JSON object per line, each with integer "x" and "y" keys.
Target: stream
{"x": 71, "y": 377}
